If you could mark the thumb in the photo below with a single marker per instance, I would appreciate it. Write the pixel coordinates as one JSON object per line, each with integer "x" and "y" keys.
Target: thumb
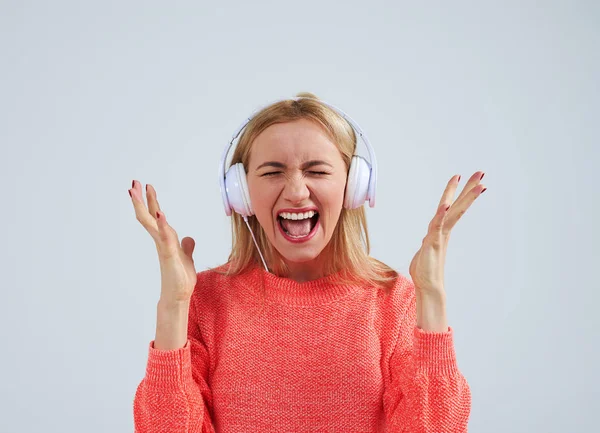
{"x": 188, "y": 244}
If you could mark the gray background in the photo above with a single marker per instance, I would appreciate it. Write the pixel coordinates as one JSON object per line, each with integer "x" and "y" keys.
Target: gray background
{"x": 95, "y": 94}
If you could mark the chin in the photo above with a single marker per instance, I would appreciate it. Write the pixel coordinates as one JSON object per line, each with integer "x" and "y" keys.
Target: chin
{"x": 302, "y": 256}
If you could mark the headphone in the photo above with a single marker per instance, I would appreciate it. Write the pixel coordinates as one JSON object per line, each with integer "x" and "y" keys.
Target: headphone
{"x": 360, "y": 185}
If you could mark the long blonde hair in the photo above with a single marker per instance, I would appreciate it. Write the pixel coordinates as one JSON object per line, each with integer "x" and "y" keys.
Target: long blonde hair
{"x": 349, "y": 246}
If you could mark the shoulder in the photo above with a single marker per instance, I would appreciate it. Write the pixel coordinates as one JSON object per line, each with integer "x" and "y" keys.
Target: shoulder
{"x": 401, "y": 298}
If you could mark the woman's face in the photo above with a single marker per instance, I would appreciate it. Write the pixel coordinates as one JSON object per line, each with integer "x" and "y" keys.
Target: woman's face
{"x": 294, "y": 167}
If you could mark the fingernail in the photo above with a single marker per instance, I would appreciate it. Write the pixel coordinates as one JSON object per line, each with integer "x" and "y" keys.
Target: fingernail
{"x": 459, "y": 178}
{"x": 483, "y": 174}
{"x": 129, "y": 191}
{"x": 482, "y": 191}
{"x": 133, "y": 183}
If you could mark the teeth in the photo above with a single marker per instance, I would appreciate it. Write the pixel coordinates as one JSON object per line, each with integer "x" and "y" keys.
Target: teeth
{"x": 297, "y": 216}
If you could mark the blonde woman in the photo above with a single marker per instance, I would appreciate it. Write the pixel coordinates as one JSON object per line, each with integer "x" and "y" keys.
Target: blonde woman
{"x": 301, "y": 330}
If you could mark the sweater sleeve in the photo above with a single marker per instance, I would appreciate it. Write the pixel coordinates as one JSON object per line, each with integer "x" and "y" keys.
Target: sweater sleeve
{"x": 426, "y": 392}
{"x": 174, "y": 395}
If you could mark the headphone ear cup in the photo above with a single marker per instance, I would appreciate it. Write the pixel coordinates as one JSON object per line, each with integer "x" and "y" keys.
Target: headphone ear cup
{"x": 237, "y": 190}
{"x": 357, "y": 185}
{"x": 248, "y": 211}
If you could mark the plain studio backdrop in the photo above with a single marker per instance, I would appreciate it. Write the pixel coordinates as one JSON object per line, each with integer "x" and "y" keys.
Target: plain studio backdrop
{"x": 95, "y": 94}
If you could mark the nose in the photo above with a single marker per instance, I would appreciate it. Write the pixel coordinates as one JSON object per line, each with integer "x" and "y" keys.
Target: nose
{"x": 296, "y": 190}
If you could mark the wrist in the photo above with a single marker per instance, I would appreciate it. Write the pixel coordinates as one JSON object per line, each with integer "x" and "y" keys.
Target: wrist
{"x": 172, "y": 305}
{"x": 171, "y": 324}
{"x": 431, "y": 312}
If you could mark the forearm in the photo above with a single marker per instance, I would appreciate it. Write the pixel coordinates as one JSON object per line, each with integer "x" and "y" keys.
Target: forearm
{"x": 431, "y": 312}
{"x": 171, "y": 325}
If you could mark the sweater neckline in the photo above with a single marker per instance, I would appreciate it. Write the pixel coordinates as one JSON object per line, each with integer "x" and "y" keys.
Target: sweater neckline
{"x": 287, "y": 291}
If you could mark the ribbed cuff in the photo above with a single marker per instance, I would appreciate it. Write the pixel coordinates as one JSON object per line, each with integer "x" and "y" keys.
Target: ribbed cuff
{"x": 434, "y": 351}
{"x": 168, "y": 369}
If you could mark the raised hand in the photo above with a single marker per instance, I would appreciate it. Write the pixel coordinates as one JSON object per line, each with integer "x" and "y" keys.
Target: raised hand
{"x": 427, "y": 266}
{"x": 178, "y": 274}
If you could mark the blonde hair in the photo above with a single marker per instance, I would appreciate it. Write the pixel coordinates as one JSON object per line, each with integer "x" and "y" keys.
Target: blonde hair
{"x": 349, "y": 247}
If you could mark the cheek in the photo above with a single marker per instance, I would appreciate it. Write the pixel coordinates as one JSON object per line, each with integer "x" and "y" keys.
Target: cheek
{"x": 332, "y": 199}
{"x": 335, "y": 194}
{"x": 262, "y": 204}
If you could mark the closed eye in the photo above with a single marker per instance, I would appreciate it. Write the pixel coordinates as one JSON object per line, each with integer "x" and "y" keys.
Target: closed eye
{"x": 271, "y": 173}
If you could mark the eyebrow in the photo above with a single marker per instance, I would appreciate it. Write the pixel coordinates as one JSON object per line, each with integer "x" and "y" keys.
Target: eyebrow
{"x": 307, "y": 164}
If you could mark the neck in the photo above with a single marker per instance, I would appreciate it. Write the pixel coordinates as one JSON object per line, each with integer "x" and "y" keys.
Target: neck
{"x": 306, "y": 271}
{"x": 302, "y": 272}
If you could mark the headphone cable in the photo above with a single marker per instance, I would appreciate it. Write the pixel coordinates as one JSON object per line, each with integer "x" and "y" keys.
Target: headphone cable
{"x": 254, "y": 239}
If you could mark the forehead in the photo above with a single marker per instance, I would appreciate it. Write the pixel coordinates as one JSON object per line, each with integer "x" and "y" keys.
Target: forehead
{"x": 292, "y": 142}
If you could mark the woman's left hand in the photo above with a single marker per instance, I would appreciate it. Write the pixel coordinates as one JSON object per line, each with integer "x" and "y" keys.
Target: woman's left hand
{"x": 427, "y": 267}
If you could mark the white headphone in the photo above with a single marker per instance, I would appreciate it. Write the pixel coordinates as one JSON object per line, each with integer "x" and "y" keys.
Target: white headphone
{"x": 360, "y": 185}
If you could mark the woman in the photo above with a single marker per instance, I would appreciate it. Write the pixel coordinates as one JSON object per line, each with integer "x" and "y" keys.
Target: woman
{"x": 342, "y": 342}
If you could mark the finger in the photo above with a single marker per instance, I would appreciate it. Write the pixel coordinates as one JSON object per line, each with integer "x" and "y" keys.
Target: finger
{"x": 472, "y": 182}
{"x": 460, "y": 206}
{"x": 169, "y": 240}
{"x": 448, "y": 195}
{"x": 153, "y": 205}
{"x": 437, "y": 222}
{"x": 137, "y": 191}
{"x": 163, "y": 231}
{"x": 141, "y": 211}
{"x": 188, "y": 244}
{"x": 444, "y": 204}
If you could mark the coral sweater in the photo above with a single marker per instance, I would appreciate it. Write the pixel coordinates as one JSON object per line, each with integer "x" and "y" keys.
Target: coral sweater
{"x": 318, "y": 358}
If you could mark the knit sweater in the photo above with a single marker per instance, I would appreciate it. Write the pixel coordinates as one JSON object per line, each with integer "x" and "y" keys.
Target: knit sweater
{"x": 302, "y": 357}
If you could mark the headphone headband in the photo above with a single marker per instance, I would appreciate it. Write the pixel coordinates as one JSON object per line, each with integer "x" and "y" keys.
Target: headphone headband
{"x": 357, "y": 129}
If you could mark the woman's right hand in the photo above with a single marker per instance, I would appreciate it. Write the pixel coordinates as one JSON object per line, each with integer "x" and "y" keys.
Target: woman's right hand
{"x": 178, "y": 274}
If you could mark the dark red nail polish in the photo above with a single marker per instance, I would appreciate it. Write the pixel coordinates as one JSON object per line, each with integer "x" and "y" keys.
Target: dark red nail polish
{"x": 482, "y": 191}
{"x": 133, "y": 183}
{"x": 129, "y": 191}
{"x": 482, "y": 176}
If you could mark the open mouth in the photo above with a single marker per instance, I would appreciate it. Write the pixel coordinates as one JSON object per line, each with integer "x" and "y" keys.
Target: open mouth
{"x": 298, "y": 229}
